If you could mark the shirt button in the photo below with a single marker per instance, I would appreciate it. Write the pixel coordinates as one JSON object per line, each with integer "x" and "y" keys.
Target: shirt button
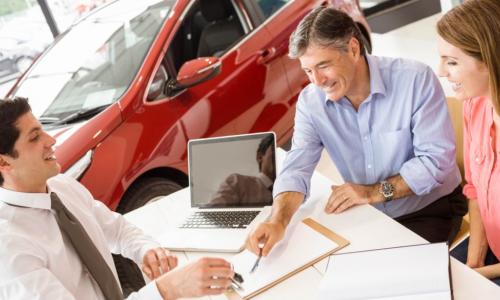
{"x": 477, "y": 159}
{"x": 369, "y": 166}
{"x": 365, "y": 138}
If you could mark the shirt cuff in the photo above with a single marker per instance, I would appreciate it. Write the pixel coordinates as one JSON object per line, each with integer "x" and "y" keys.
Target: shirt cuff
{"x": 148, "y": 292}
{"x": 145, "y": 248}
{"x": 290, "y": 185}
{"x": 470, "y": 191}
{"x": 417, "y": 177}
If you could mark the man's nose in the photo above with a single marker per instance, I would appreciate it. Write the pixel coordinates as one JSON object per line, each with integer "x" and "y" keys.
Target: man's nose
{"x": 318, "y": 78}
{"x": 50, "y": 140}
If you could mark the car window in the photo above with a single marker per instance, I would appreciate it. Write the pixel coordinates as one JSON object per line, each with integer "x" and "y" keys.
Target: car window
{"x": 269, "y": 7}
{"x": 202, "y": 34}
{"x": 261, "y": 10}
{"x": 94, "y": 62}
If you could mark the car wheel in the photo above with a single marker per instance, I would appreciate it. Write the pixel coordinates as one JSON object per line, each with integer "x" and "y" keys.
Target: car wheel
{"x": 23, "y": 63}
{"x": 144, "y": 191}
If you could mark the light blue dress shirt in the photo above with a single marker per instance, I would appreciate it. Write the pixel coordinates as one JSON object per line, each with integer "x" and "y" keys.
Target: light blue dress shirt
{"x": 403, "y": 127}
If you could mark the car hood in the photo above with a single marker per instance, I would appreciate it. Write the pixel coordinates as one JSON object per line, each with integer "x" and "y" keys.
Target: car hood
{"x": 61, "y": 134}
{"x": 75, "y": 139}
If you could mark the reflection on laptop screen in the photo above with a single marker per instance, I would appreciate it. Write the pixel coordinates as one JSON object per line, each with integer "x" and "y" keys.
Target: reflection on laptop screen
{"x": 235, "y": 171}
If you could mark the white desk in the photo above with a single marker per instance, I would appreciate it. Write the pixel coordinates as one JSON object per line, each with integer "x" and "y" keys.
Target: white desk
{"x": 364, "y": 226}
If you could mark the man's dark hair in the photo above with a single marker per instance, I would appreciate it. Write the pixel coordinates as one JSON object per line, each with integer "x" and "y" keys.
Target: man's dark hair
{"x": 325, "y": 27}
{"x": 265, "y": 143}
{"x": 10, "y": 111}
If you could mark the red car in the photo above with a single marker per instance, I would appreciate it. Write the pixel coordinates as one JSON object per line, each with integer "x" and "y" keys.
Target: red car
{"x": 125, "y": 88}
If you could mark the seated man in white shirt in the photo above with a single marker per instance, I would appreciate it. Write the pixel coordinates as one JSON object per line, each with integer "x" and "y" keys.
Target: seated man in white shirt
{"x": 40, "y": 260}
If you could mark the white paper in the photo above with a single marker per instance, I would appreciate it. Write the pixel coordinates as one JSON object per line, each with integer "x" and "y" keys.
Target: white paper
{"x": 393, "y": 273}
{"x": 301, "y": 245}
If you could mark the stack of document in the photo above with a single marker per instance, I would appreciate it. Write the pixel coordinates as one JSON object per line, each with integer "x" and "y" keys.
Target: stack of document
{"x": 413, "y": 272}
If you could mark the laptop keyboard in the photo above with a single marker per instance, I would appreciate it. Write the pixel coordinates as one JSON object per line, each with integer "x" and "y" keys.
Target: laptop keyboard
{"x": 220, "y": 219}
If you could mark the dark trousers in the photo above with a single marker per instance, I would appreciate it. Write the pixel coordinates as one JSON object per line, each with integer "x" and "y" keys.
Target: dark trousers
{"x": 460, "y": 253}
{"x": 439, "y": 221}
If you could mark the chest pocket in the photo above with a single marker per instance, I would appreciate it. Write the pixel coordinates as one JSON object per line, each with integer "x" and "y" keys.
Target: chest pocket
{"x": 393, "y": 148}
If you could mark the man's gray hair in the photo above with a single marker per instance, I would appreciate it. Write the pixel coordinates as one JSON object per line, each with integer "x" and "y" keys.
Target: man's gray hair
{"x": 325, "y": 27}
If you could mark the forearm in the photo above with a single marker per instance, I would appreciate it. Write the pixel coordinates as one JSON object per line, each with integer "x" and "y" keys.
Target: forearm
{"x": 284, "y": 207}
{"x": 401, "y": 189}
{"x": 478, "y": 245}
{"x": 491, "y": 271}
{"x": 122, "y": 236}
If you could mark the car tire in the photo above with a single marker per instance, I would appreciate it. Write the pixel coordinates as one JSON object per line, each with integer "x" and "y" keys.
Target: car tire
{"x": 144, "y": 191}
{"x": 23, "y": 63}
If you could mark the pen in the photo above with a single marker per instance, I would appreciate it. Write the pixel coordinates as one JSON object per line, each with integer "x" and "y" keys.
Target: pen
{"x": 261, "y": 245}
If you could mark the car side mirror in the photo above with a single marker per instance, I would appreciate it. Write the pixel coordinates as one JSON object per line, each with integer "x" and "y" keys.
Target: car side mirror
{"x": 158, "y": 84}
{"x": 194, "y": 72}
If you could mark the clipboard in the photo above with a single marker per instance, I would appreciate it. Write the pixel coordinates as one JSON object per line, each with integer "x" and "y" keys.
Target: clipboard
{"x": 327, "y": 249}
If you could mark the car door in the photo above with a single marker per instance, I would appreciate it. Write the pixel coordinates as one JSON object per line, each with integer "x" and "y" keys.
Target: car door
{"x": 252, "y": 78}
{"x": 279, "y": 18}
{"x": 288, "y": 15}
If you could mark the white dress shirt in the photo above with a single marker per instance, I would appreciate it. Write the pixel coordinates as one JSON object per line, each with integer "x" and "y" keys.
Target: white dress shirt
{"x": 38, "y": 262}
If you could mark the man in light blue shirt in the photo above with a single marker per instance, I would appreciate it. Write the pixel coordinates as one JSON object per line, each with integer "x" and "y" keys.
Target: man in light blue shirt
{"x": 384, "y": 123}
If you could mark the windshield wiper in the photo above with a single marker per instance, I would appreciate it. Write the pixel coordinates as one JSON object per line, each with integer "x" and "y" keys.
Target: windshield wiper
{"x": 47, "y": 120}
{"x": 75, "y": 117}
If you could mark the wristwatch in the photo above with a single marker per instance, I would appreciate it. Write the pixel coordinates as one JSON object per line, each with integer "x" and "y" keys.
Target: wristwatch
{"x": 387, "y": 190}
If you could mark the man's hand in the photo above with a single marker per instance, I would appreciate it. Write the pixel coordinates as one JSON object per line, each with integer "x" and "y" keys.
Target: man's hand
{"x": 158, "y": 261}
{"x": 267, "y": 233}
{"x": 207, "y": 276}
{"x": 349, "y": 194}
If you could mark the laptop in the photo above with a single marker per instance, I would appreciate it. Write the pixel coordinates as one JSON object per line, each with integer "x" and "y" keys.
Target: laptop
{"x": 230, "y": 182}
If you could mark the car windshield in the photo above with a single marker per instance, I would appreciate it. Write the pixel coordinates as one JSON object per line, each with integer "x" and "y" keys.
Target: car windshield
{"x": 95, "y": 61}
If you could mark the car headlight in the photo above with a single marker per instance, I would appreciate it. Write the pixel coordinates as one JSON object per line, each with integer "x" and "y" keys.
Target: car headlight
{"x": 77, "y": 169}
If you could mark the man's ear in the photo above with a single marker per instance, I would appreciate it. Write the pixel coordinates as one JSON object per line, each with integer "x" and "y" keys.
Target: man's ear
{"x": 354, "y": 47}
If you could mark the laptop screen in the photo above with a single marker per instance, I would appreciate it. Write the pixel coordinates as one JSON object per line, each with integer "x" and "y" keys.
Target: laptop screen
{"x": 232, "y": 171}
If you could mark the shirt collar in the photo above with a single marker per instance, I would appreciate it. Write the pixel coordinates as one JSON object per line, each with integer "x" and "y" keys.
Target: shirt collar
{"x": 265, "y": 180}
{"x": 377, "y": 85}
{"x": 31, "y": 200}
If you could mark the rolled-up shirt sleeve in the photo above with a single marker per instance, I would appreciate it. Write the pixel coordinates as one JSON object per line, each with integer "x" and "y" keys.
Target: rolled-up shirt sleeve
{"x": 433, "y": 138}
{"x": 301, "y": 160}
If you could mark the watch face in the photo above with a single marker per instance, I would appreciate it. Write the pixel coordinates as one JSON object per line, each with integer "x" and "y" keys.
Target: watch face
{"x": 387, "y": 189}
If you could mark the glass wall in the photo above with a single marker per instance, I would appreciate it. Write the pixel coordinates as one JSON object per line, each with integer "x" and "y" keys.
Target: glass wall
{"x": 25, "y": 33}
